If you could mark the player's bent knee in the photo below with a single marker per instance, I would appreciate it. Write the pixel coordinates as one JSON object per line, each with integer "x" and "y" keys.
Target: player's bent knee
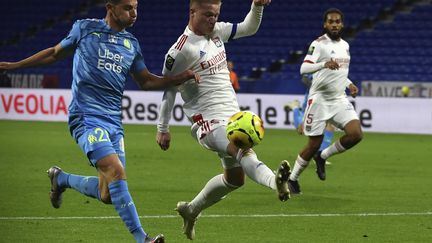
{"x": 358, "y": 137}
{"x": 236, "y": 183}
{"x": 235, "y": 177}
{"x": 355, "y": 136}
{"x": 111, "y": 168}
{"x": 118, "y": 175}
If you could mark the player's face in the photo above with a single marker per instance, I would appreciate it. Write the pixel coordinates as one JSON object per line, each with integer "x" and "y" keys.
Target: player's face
{"x": 333, "y": 25}
{"x": 124, "y": 13}
{"x": 204, "y": 17}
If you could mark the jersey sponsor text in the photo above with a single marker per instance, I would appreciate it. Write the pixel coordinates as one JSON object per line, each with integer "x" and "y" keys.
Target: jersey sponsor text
{"x": 106, "y": 55}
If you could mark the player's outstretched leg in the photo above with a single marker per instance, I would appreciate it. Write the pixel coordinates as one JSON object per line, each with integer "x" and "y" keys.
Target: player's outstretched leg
{"x": 56, "y": 190}
{"x": 281, "y": 178}
{"x": 255, "y": 169}
{"x": 157, "y": 239}
{"x": 215, "y": 190}
{"x": 60, "y": 181}
{"x": 189, "y": 219}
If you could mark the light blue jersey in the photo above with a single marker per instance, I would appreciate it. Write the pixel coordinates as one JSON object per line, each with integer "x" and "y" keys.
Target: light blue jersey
{"x": 103, "y": 59}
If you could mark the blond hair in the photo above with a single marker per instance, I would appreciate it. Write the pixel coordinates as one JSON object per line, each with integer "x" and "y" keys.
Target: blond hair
{"x": 192, "y": 2}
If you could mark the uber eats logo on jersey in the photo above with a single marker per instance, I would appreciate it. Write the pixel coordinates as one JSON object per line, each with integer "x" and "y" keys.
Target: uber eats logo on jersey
{"x": 109, "y": 60}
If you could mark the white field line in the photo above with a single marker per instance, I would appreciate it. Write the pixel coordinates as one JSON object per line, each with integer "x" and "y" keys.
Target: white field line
{"x": 230, "y": 216}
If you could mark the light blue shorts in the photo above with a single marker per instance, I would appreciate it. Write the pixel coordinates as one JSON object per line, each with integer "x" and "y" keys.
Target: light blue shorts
{"x": 98, "y": 136}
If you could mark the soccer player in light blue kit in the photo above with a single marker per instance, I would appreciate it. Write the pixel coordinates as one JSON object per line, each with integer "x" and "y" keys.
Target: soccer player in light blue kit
{"x": 104, "y": 54}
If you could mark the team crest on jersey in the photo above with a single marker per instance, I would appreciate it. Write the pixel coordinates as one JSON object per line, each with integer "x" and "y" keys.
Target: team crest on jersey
{"x": 217, "y": 41}
{"x": 169, "y": 62}
{"x": 127, "y": 43}
{"x": 311, "y": 50}
{"x": 112, "y": 39}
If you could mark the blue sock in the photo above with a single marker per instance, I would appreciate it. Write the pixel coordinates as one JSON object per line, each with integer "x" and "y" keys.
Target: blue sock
{"x": 87, "y": 185}
{"x": 328, "y": 137}
{"x": 298, "y": 117}
{"x": 125, "y": 207}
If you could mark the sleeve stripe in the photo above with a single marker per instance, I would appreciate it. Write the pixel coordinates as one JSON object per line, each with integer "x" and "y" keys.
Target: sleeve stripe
{"x": 181, "y": 42}
{"x": 233, "y": 32}
{"x": 308, "y": 61}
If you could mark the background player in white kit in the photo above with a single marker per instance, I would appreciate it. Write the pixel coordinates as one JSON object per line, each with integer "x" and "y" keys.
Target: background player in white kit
{"x": 210, "y": 104}
{"x": 328, "y": 59}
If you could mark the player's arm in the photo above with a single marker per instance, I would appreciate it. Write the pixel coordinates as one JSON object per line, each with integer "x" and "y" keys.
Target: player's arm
{"x": 50, "y": 55}
{"x": 175, "y": 62}
{"x": 252, "y": 21}
{"x": 42, "y": 58}
{"x": 312, "y": 62}
{"x": 308, "y": 67}
{"x": 163, "y": 136}
{"x": 149, "y": 81}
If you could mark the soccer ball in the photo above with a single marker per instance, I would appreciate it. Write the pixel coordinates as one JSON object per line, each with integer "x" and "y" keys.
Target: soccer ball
{"x": 245, "y": 129}
{"x": 405, "y": 90}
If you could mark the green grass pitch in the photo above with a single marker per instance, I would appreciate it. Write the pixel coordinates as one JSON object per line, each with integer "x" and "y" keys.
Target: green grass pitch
{"x": 380, "y": 191}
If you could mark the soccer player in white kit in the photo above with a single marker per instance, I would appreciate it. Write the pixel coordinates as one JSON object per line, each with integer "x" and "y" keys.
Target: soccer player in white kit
{"x": 210, "y": 104}
{"x": 328, "y": 60}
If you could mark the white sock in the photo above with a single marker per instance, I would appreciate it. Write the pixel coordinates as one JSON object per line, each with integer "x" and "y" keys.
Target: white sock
{"x": 257, "y": 170}
{"x": 214, "y": 191}
{"x": 299, "y": 166}
{"x": 335, "y": 148}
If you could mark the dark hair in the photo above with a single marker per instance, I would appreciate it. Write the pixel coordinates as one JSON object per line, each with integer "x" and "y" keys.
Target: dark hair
{"x": 112, "y": 1}
{"x": 333, "y": 10}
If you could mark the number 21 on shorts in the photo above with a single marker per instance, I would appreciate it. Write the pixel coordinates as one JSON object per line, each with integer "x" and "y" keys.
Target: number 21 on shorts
{"x": 98, "y": 135}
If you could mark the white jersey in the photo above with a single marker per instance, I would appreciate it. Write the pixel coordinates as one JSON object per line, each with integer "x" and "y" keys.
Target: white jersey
{"x": 214, "y": 96}
{"x": 329, "y": 85}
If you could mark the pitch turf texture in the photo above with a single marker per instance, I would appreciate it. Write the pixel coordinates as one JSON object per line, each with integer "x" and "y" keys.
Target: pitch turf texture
{"x": 380, "y": 191}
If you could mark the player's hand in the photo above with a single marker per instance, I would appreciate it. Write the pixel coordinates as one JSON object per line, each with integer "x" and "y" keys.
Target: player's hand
{"x": 7, "y": 65}
{"x": 189, "y": 74}
{"x": 300, "y": 129}
{"x": 353, "y": 90}
{"x": 163, "y": 139}
{"x": 197, "y": 78}
{"x": 261, "y": 2}
{"x": 331, "y": 65}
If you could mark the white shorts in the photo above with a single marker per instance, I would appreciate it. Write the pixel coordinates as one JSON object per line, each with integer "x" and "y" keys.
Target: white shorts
{"x": 212, "y": 136}
{"x": 318, "y": 114}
